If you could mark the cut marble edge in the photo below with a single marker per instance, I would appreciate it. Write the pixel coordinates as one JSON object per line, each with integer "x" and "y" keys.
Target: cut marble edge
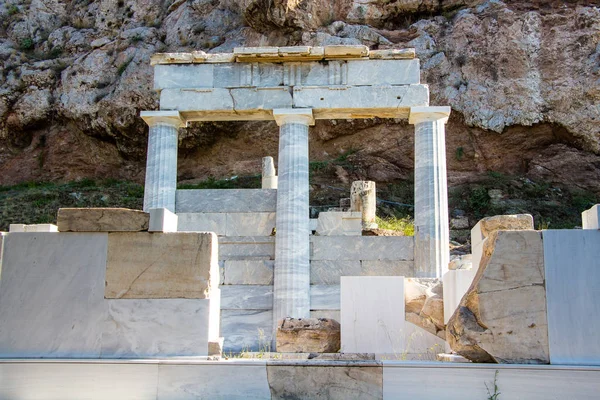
{"x": 283, "y": 54}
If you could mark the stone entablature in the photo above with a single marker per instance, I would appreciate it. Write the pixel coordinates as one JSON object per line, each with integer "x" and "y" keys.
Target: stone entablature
{"x": 333, "y": 81}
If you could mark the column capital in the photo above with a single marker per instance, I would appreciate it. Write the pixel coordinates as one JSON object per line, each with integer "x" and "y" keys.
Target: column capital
{"x": 165, "y": 117}
{"x": 423, "y": 114}
{"x": 293, "y": 116}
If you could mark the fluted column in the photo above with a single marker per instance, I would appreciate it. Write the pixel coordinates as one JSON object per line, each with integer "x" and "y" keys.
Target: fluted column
{"x": 161, "y": 162}
{"x": 291, "y": 296}
{"x": 431, "y": 191}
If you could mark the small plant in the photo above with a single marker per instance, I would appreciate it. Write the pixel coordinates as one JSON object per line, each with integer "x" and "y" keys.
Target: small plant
{"x": 493, "y": 395}
{"x": 123, "y": 67}
{"x": 26, "y": 44}
{"x": 137, "y": 38}
{"x": 401, "y": 224}
{"x": 459, "y": 153}
{"x": 13, "y": 9}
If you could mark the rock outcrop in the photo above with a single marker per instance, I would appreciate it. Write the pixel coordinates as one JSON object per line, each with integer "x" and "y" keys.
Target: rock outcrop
{"x": 74, "y": 75}
{"x": 502, "y": 317}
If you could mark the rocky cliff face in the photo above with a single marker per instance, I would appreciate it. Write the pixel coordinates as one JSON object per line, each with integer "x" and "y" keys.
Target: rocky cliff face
{"x": 522, "y": 78}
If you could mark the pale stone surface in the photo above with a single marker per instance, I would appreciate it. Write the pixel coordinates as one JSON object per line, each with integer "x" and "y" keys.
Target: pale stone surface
{"x": 383, "y": 72}
{"x": 291, "y": 296}
{"x": 156, "y": 328}
{"x": 246, "y": 297}
{"x": 461, "y": 262}
{"x": 247, "y": 248}
{"x": 246, "y": 330}
{"x": 499, "y": 222}
{"x": 456, "y": 284}
{"x": 328, "y": 272}
{"x": 326, "y": 383}
{"x": 248, "y": 272}
{"x": 308, "y": 335}
{"x": 226, "y": 200}
{"x": 572, "y": 284}
{"x": 161, "y": 161}
{"x": 362, "y": 248}
{"x": 202, "y": 222}
{"x": 101, "y": 220}
{"x": 373, "y": 320}
{"x": 424, "y": 304}
{"x": 363, "y": 198}
{"x": 213, "y": 381}
{"x": 250, "y": 224}
{"x": 335, "y": 223}
{"x": 32, "y": 228}
{"x": 451, "y": 358}
{"x": 502, "y": 317}
{"x": 591, "y": 218}
{"x": 386, "y": 268}
{"x": 161, "y": 265}
{"x": 363, "y": 101}
{"x": 324, "y": 297}
{"x": 52, "y": 295}
{"x": 162, "y": 220}
{"x": 269, "y": 176}
{"x": 431, "y": 191}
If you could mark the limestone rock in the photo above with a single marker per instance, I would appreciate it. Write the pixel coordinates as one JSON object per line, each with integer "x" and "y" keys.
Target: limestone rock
{"x": 424, "y": 304}
{"x": 502, "y": 317}
{"x": 102, "y": 220}
{"x": 308, "y": 335}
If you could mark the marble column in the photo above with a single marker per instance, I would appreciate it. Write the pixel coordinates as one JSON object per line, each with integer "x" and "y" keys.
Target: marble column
{"x": 431, "y": 191}
{"x": 291, "y": 297}
{"x": 269, "y": 176}
{"x": 161, "y": 162}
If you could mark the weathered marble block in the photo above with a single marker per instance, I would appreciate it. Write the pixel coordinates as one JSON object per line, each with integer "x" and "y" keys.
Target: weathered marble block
{"x": 308, "y": 335}
{"x": 502, "y": 317}
{"x": 51, "y": 295}
{"x": 362, "y": 248}
{"x": 334, "y": 223}
{"x": 225, "y": 200}
{"x": 162, "y": 220}
{"x": 247, "y": 248}
{"x": 202, "y": 222}
{"x": 102, "y": 220}
{"x": 246, "y": 297}
{"x": 591, "y": 218}
{"x": 32, "y": 228}
{"x": 246, "y": 330}
{"x": 250, "y": 224}
{"x": 161, "y": 265}
{"x": 248, "y": 272}
{"x": 322, "y": 382}
{"x": 328, "y": 272}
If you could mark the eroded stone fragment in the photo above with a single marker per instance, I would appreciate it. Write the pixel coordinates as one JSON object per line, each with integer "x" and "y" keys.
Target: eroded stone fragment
{"x": 308, "y": 335}
{"x": 502, "y": 317}
{"x": 102, "y": 220}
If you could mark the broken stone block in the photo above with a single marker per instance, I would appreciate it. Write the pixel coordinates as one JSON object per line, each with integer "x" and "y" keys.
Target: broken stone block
{"x": 308, "y": 335}
{"x": 502, "y": 317}
{"x": 215, "y": 348}
{"x": 424, "y": 304}
{"x": 500, "y": 222}
{"x": 102, "y": 220}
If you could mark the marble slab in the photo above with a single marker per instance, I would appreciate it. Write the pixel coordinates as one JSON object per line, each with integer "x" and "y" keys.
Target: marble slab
{"x": 246, "y": 297}
{"x": 144, "y": 328}
{"x": 191, "y": 382}
{"x": 250, "y": 224}
{"x": 247, "y": 248}
{"x": 225, "y": 200}
{"x": 336, "y": 223}
{"x": 387, "y": 268}
{"x": 571, "y": 262}
{"x": 372, "y": 310}
{"x": 325, "y": 382}
{"x": 77, "y": 380}
{"x": 142, "y": 265}
{"x": 248, "y": 272}
{"x": 324, "y": 297}
{"x": 202, "y": 222}
{"x": 162, "y": 220}
{"x": 456, "y": 284}
{"x": 182, "y": 76}
{"x": 362, "y": 248}
{"x": 246, "y": 330}
{"x": 590, "y": 219}
{"x": 328, "y": 272}
{"x": 384, "y": 72}
{"x": 434, "y": 381}
{"x": 52, "y": 294}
